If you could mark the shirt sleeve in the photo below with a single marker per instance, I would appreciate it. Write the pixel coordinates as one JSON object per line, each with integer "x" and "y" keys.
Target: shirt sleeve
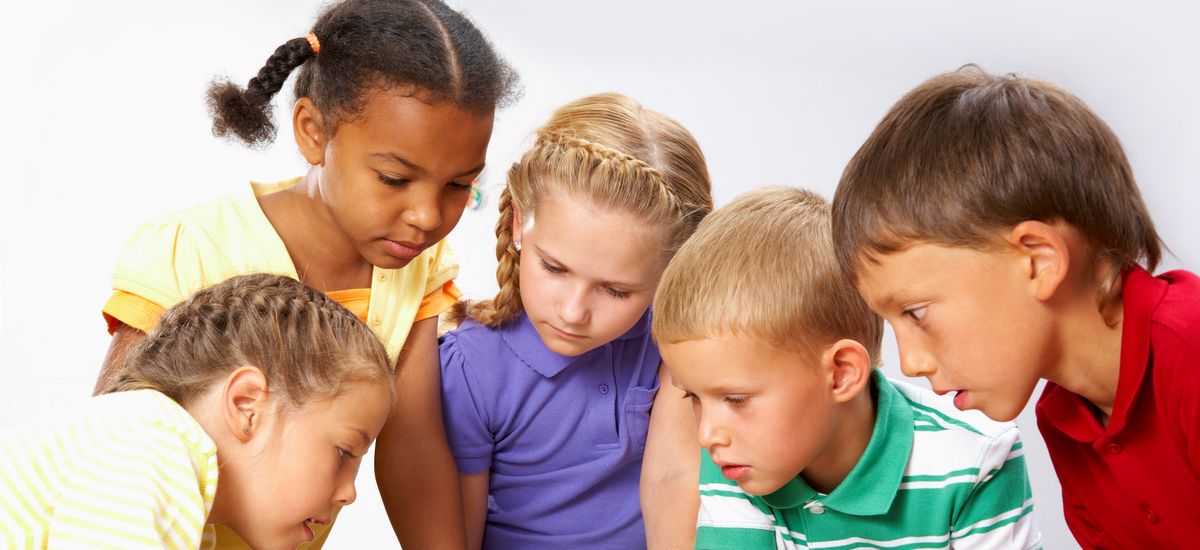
{"x": 730, "y": 518}
{"x": 471, "y": 441}
{"x": 157, "y": 268}
{"x": 438, "y": 301}
{"x": 998, "y": 513}
{"x": 135, "y": 492}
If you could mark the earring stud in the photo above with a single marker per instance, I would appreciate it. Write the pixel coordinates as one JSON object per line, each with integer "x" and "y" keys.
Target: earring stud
{"x": 517, "y": 245}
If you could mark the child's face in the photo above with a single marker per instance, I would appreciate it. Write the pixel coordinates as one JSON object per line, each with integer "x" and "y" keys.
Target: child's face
{"x": 587, "y": 274}
{"x": 764, "y": 414}
{"x": 305, "y": 467}
{"x": 396, "y": 177}
{"x": 965, "y": 319}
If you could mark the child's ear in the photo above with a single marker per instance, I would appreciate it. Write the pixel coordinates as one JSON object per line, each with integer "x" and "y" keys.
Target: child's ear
{"x": 244, "y": 400}
{"x": 308, "y": 126}
{"x": 850, "y": 365}
{"x": 1045, "y": 256}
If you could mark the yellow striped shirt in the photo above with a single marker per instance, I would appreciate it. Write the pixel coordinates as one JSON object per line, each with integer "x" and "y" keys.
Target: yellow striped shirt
{"x": 125, "y": 470}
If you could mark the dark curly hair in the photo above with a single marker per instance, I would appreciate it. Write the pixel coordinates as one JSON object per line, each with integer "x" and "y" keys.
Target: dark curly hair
{"x": 422, "y": 44}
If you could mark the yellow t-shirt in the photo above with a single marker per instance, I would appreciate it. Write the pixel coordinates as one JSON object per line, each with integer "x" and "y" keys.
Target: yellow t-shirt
{"x": 125, "y": 470}
{"x": 174, "y": 255}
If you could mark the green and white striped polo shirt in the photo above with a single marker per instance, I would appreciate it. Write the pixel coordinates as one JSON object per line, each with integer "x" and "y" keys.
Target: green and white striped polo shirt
{"x": 125, "y": 470}
{"x": 931, "y": 477}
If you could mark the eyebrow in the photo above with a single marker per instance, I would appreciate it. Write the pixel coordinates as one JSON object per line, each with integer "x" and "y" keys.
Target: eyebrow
{"x": 418, "y": 168}
{"x": 630, "y": 286}
{"x": 366, "y": 441}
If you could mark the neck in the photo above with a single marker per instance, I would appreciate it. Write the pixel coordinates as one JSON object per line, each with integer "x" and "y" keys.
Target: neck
{"x": 324, "y": 256}
{"x": 849, "y": 440}
{"x": 205, "y": 409}
{"x": 1089, "y": 361}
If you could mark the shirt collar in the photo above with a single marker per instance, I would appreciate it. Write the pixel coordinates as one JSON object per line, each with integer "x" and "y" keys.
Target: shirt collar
{"x": 522, "y": 338}
{"x": 1071, "y": 413}
{"x": 871, "y": 486}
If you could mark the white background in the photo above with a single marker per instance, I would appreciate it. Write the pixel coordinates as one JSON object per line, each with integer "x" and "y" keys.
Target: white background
{"x": 104, "y": 125}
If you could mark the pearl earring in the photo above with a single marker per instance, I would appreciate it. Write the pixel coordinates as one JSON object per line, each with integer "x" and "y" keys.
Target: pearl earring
{"x": 517, "y": 245}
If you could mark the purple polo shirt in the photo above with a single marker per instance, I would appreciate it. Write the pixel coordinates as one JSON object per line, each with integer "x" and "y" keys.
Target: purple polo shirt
{"x": 562, "y": 436}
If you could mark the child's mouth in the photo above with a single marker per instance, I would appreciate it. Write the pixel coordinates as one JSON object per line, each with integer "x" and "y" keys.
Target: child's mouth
{"x": 960, "y": 400}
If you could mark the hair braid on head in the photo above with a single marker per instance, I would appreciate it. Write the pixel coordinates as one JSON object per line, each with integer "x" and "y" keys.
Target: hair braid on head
{"x": 507, "y": 303}
{"x": 306, "y": 344}
{"x": 247, "y": 113}
{"x": 619, "y": 160}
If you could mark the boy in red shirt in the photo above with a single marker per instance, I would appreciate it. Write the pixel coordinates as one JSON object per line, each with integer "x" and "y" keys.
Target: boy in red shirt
{"x": 995, "y": 223}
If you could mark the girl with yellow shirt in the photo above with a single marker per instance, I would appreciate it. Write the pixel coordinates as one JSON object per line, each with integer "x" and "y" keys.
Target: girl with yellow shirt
{"x": 259, "y": 384}
{"x": 394, "y": 111}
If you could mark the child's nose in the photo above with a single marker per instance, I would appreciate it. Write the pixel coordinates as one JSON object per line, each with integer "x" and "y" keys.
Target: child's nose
{"x": 345, "y": 493}
{"x": 424, "y": 211}
{"x": 709, "y": 433}
{"x": 915, "y": 362}
{"x": 573, "y": 308}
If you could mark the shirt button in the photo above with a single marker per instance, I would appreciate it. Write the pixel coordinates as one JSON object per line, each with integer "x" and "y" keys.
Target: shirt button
{"x": 382, "y": 277}
{"x": 604, "y": 389}
{"x": 376, "y": 321}
{"x": 1113, "y": 448}
{"x": 1150, "y": 514}
{"x": 815, "y": 507}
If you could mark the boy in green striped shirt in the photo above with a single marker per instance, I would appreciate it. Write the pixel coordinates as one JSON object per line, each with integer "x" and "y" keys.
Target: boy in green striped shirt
{"x": 805, "y": 443}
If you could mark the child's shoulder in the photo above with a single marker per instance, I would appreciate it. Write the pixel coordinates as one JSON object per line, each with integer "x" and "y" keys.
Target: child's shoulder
{"x": 942, "y": 434}
{"x": 1179, "y": 309}
{"x": 474, "y": 343}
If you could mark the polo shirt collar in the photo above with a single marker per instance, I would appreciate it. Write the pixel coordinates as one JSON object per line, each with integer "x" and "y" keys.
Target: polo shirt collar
{"x": 1071, "y": 414}
{"x": 523, "y": 340}
{"x": 871, "y": 486}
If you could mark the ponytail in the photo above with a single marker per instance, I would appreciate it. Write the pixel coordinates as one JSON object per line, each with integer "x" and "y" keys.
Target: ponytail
{"x": 247, "y": 113}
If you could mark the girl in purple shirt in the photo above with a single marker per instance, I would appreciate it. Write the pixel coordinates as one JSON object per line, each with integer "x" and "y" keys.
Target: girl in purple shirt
{"x": 548, "y": 388}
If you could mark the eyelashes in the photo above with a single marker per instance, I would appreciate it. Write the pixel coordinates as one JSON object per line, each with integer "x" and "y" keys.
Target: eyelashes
{"x": 557, "y": 270}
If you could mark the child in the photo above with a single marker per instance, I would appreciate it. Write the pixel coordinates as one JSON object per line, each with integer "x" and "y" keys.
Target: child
{"x": 994, "y": 221}
{"x": 547, "y": 388}
{"x": 394, "y": 112}
{"x": 806, "y": 444}
{"x": 249, "y": 405}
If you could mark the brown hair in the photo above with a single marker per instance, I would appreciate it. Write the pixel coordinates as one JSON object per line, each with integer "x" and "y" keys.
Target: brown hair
{"x": 764, "y": 265}
{"x": 307, "y": 345}
{"x": 968, "y": 154}
{"x": 607, "y": 149}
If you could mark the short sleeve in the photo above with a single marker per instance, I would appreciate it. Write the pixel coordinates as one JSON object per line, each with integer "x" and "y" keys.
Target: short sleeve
{"x": 134, "y": 493}
{"x": 157, "y": 268}
{"x": 438, "y": 301}
{"x": 998, "y": 513}
{"x": 470, "y": 439}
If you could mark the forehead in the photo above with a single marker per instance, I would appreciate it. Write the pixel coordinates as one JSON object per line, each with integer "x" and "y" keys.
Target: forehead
{"x": 887, "y": 279}
{"x": 731, "y": 360}
{"x": 359, "y": 406}
{"x": 596, "y": 242}
{"x": 436, "y": 135}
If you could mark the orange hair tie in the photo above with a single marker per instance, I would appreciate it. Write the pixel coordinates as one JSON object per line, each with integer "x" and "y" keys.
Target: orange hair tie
{"x": 313, "y": 43}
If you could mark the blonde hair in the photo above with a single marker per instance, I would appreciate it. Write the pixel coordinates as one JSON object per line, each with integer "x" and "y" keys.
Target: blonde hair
{"x": 607, "y": 149}
{"x": 307, "y": 345}
{"x": 764, "y": 265}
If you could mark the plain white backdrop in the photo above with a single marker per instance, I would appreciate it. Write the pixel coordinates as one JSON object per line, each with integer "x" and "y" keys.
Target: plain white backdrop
{"x": 104, "y": 125}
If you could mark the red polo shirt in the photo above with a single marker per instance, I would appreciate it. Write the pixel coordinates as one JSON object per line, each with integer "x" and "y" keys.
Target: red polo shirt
{"x": 1135, "y": 483}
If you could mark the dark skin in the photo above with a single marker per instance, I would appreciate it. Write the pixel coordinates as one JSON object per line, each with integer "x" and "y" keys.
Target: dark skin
{"x": 391, "y": 181}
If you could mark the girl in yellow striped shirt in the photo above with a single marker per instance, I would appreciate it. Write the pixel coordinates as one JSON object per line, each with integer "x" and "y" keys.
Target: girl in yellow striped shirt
{"x": 250, "y": 405}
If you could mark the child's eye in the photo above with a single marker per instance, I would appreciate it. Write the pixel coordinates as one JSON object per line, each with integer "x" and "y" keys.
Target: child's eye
{"x": 917, "y": 313}
{"x": 616, "y": 293}
{"x": 737, "y": 399}
{"x": 390, "y": 181}
{"x": 552, "y": 268}
{"x": 343, "y": 454}
{"x": 459, "y": 186}
{"x": 689, "y": 395}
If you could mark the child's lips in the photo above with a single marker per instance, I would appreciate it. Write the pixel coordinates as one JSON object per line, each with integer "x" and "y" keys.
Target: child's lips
{"x": 735, "y": 472}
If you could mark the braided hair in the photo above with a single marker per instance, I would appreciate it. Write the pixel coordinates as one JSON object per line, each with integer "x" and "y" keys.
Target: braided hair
{"x": 418, "y": 44}
{"x": 307, "y": 345}
{"x": 607, "y": 149}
